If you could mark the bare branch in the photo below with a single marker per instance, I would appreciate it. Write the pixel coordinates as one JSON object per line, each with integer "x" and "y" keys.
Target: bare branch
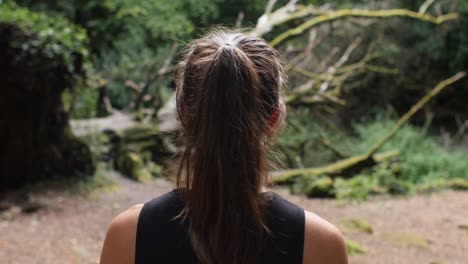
{"x": 339, "y": 14}
{"x": 425, "y": 6}
{"x": 134, "y": 86}
{"x": 328, "y": 58}
{"x": 348, "y": 52}
{"x": 314, "y": 41}
{"x": 151, "y": 76}
{"x": 240, "y": 18}
{"x": 414, "y": 109}
{"x": 269, "y": 7}
{"x": 282, "y": 15}
{"x": 370, "y": 157}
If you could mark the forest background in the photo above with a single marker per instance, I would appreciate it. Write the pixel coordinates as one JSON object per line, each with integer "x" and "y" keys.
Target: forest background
{"x": 351, "y": 77}
{"x": 377, "y": 94}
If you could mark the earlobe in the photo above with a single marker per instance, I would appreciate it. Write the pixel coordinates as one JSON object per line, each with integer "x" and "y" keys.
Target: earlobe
{"x": 273, "y": 119}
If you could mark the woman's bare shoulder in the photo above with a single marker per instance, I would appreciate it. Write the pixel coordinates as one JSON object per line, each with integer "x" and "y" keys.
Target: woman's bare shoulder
{"x": 323, "y": 242}
{"x": 119, "y": 244}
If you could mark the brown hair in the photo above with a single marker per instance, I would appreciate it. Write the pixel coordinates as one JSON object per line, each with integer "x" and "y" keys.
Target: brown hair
{"x": 229, "y": 103}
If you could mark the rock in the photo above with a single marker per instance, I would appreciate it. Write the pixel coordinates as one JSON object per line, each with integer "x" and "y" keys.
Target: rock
{"x": 319, "y": 187}
{"x": 132, "y": 166}
{"x": 33, "y": 206}
{"x": 11, "y": 213}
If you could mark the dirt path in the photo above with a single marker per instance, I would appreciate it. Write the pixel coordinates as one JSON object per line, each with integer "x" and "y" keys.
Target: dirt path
{"x": 420, "y": 229}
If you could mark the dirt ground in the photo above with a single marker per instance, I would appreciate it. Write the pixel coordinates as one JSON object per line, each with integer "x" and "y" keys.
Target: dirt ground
{"x": 71, "y": 228}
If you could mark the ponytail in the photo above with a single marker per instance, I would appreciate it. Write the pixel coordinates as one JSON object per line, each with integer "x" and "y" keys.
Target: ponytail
{"x": 225, "y": 97}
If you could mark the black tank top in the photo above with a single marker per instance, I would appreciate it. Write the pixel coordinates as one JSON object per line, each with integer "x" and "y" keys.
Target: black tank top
{"x": 163, "y": 239}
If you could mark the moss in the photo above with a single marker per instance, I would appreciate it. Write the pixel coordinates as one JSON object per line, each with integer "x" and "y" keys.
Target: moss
{"x": 407, "y": 239}
{"x": 44, "y": 56}
{"x": 319, "y": 187}
{"x": 54, "y": 38}
{"x": 354, "y": 224}
{"x": 354, "y": 248}
{"x": 100, "y": 182}
{"x": 155, "y": 169}
{"x": 132, "y": 166}
{"x": 139, "y": 133}
{"x": 456, "y": 184}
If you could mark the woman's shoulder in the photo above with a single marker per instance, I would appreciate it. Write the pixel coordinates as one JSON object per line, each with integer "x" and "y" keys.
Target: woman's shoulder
{"x": 323, "y": 241}
{"x": 119, "y": 244}
{"x": 120, "y": 241}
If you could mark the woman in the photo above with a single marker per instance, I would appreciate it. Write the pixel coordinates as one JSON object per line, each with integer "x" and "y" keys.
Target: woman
{"x": 230, "y": 105}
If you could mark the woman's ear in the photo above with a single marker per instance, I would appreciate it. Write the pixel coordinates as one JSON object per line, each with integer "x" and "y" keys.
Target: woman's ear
{"x": 273, "y": 119}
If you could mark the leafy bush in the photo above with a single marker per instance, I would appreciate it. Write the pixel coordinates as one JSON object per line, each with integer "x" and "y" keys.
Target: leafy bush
{"x": 424, "y": 165}
{"x": 54, "y": 38}
{"x": 422, "y": 157}
{"x": 40, "y": 58}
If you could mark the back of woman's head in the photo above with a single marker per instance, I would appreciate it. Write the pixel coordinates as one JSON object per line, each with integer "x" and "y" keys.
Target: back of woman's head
{"x": 230, "y": 104}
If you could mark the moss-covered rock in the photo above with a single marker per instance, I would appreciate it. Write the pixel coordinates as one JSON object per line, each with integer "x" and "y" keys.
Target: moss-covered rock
{"x": 132, "y": 166}
{"x": 153, "y": 149}
{"x": 319, "y": 187}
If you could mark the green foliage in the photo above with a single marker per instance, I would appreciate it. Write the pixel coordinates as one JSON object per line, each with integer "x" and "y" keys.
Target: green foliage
{"x": 302, "y": 140}
{"x": 315, "y": 187}
{"x": 85, "y": 103}
{"x": 100, "y": 182}
{"x": 354, "y": 248}
{"x": 174, "y": 19}
{"x": 357, "y": 188}
{"x": 422, "y": 157}
{"x": 128, "y": 37}
{"x": 423, "y": 164}
{"x": 354, "y": 224}
{"x": 406, "y": 239}
{"x": 133, "y": 166}
{"x": 54, "y": 39}
{"x": 99, "y": 143}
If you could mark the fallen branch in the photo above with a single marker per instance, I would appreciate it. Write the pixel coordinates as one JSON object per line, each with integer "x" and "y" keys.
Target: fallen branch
{"x": 282, "y": 15}
{"x": 335, "y": 15}
{"x": 369, "y": 158}
{"x": 339, "y": 167}
{"x": 414, "y": 109}
{"x": 151, "y": 76}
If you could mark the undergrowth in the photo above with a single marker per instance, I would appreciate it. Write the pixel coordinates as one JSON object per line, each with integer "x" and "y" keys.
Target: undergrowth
{"x": 423, "y": 165}
{"x": 101, "y": 181}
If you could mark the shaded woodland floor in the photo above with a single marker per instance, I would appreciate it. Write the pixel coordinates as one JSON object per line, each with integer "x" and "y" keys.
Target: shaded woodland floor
{"x": 70, "y": 228}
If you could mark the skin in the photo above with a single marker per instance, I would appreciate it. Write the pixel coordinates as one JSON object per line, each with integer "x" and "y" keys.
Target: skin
{"x": 323, "y": 242}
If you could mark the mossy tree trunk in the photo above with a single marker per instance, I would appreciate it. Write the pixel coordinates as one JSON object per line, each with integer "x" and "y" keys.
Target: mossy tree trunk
{"x": 35, "y": 139}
